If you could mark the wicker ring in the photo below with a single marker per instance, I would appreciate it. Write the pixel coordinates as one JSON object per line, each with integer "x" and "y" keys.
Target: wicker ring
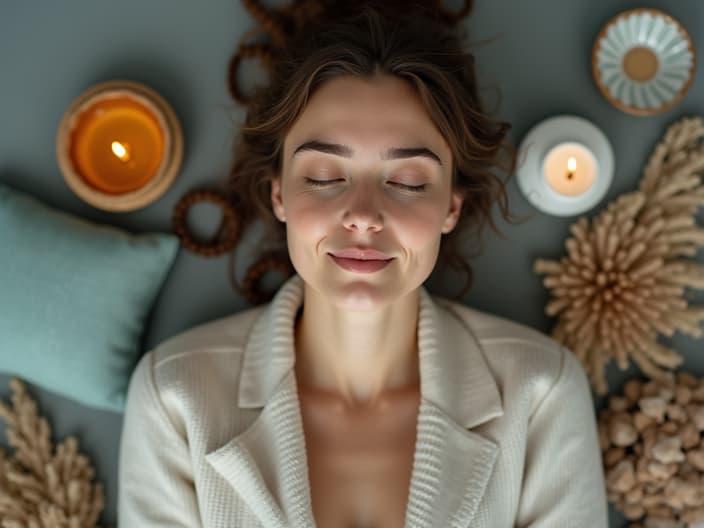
{"x": 251, "y": 284}
{"x": 268, "y": 19}
{"x": 454, "y": 17}
{"x": 247, "y": 51}
{"x": 228, "y": 233}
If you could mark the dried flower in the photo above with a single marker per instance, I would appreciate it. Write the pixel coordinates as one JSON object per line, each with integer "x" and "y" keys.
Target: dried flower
{"x": 39, "y": 489}
{"x": 623, "y": 280}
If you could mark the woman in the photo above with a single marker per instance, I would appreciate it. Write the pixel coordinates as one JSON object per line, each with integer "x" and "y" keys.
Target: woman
{"x": 355, "y": 399}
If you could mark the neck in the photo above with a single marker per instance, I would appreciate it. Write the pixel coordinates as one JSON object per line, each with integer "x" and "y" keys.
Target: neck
{"x": 360, "y": 357}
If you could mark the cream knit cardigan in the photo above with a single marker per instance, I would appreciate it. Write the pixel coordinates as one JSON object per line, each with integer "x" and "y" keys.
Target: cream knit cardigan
{"x": 506, "y": 436}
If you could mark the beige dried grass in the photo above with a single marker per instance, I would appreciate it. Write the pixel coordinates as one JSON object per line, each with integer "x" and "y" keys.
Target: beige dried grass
{"x": 622, "y": 282}
{"x": 43, "y": 487}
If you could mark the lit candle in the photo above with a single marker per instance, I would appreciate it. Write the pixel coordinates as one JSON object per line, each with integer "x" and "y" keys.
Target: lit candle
{"x": 570, "y": 169}
{"x": 566, "y": 165}
{"x": 119, "y": 145}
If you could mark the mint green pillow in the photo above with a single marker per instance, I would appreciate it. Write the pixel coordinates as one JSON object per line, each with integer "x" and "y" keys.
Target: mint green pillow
{"x": 74, "y": 297}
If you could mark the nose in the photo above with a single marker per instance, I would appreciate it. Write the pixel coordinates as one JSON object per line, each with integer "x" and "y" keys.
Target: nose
{"x": 362, "y": 214}
{"x": 362, "y": 220}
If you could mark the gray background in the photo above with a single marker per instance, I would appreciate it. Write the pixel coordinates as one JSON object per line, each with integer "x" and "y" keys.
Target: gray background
{"x": 533, "y": 62}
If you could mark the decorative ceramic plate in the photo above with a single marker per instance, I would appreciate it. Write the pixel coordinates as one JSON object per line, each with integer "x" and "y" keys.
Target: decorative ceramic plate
{"x": 643, "y": 61}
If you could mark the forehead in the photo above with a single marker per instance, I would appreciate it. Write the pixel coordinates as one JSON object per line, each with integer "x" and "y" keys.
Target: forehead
{"x": 384, "y": 111}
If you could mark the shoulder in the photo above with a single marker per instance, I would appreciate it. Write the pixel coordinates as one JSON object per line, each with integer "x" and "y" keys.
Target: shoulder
{"x": 523, "y": 360}
{"x": 224, "y": 335}
{"x": 496, "y": 334}
{"x": 187, "y": 379}
{"x": 196, "y": 361}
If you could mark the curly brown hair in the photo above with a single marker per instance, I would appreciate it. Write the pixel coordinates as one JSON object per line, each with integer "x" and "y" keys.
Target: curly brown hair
{"x": 312, "y": 42}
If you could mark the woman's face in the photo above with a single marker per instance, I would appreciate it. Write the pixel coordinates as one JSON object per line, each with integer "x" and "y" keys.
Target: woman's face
{"x": 365, "y": 140}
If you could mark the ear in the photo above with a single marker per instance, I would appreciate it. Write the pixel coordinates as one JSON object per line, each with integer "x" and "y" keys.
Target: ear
{"x": 276, "y": 201}
{"x": 453, "y": 214}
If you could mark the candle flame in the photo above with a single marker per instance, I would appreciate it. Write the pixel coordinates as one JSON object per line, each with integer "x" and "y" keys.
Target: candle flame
{"x": 120, "y": 151}
{"x": 571, "y": 167}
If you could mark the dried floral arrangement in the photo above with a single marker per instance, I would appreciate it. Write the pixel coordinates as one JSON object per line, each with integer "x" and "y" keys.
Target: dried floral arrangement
{"x": 40, "y": 488}
{"x": 623, "y": 279}
{"x": 651, "y": 442}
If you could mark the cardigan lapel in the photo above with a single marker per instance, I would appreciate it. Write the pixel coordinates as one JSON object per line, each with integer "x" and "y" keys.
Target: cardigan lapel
{"x": 266, "y": 463}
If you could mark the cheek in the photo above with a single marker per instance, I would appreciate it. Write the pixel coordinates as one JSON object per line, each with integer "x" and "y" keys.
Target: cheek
{"x": 310, "y": 219}
{"x": 418, "y": 227}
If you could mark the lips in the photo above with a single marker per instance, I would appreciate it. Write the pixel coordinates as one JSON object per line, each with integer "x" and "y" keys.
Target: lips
{"x": 361, "y": 266}
{"x": 361, "y": 254}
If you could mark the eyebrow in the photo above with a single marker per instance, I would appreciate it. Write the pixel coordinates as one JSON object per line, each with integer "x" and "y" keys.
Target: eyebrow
{"x": 347, "y": 152}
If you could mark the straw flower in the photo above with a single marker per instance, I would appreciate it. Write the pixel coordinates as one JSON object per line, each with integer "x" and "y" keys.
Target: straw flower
{"x": 622, "y": 282}
{"x": 41, "y": 487}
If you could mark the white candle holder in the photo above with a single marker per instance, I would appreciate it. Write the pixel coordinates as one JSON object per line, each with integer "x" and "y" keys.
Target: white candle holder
{"x": 533, "y": 150}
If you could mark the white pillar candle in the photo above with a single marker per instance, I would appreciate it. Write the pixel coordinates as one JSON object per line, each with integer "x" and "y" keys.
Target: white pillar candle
{"x": 566, "y": 165}
{"x": 570, "y": 169}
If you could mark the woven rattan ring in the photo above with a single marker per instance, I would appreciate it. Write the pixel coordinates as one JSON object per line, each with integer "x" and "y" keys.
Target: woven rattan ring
{"x": 228, "y": 234}
{"x": 451, "y": 17}
{"x": 247, "y": 51}
{"x": 251, "y": 284}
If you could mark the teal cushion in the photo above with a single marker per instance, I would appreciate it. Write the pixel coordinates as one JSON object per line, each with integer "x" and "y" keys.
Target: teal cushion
{"x": 74, "y": 298}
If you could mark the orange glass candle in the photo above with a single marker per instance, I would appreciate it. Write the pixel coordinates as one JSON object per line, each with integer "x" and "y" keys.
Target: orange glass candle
{"x": 117, "y": 144}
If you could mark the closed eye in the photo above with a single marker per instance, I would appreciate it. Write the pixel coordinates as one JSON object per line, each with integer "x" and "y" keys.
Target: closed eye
{"x": 323, "y": 183}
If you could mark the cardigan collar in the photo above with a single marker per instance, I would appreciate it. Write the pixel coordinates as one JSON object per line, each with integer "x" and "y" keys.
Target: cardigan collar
{"x": 267, "y": 465}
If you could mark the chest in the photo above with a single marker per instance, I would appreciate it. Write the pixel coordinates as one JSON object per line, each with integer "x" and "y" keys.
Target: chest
{"x": 360, "y": 462}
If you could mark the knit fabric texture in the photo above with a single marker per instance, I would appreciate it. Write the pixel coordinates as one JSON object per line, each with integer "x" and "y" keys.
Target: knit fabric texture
{"x": 506, "y": 432}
